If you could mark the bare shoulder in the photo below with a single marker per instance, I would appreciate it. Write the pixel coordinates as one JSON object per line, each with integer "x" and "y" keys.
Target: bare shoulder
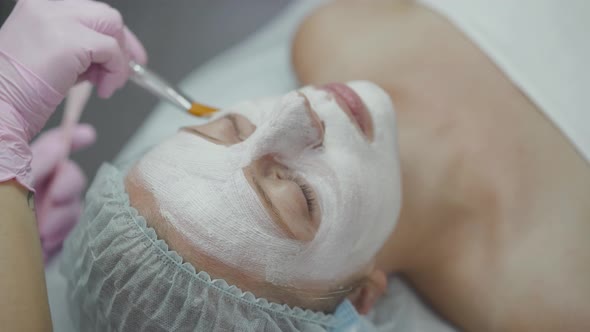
{"x": 384, "y": 41}
{"x": 344, "y": 40}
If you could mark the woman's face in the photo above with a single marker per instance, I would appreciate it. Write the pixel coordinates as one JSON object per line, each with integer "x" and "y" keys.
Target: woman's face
{"x": 300, "y": 190}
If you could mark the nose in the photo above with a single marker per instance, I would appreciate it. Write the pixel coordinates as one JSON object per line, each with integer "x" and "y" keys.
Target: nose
{"x": 289, "y": 129}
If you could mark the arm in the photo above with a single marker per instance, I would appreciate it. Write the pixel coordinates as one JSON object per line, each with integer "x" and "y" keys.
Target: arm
{"x": 23, "y": 305}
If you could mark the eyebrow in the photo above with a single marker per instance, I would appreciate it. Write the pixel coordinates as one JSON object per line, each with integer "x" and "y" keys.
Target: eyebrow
{"x": 273, "y": 209}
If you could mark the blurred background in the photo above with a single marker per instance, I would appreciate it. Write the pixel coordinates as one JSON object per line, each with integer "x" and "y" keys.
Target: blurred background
{"x": 179, "y": 36}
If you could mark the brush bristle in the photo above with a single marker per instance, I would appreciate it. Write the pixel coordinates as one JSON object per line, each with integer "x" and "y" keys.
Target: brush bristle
{"x": 201, "y": 110}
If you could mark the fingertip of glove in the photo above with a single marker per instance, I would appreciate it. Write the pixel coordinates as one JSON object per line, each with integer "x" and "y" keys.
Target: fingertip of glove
{"x": 86, "y": 132}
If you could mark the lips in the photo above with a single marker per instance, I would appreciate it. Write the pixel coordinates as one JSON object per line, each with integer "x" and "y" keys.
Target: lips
{"x": 353, "y": 106}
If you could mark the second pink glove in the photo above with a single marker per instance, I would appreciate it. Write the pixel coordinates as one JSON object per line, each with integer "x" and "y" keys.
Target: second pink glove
{"x": 59, "y": 184}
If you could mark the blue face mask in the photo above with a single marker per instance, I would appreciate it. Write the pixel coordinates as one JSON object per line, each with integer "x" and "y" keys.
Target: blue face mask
{"x": 350, "y": 320}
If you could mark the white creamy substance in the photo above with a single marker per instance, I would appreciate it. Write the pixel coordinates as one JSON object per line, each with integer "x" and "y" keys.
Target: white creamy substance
{"x": 202, "y": 191}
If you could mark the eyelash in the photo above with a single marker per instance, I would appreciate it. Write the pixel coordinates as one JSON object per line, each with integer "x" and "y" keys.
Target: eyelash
{"x": 307, "y": 192}
{"x": 305, "y": 189}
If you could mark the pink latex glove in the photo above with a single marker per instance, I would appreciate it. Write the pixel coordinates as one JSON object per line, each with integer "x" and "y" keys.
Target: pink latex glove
{"x": 59, "y": 184}
{"x": 45, "y": 48}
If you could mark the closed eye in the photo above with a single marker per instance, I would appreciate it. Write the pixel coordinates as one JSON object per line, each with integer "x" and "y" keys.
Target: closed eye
{"x": 234, "y": 122}
{"x": 308, "y": 193}
{"x": 227, "y": 130}
{"x": 243, "y": 128}
{"x": 291, "y": 202}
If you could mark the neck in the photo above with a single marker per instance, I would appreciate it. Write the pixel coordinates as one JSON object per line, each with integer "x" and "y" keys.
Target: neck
{"x": 440, "y": 191}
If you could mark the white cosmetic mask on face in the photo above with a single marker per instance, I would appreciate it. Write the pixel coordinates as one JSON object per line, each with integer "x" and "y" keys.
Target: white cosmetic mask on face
{"x": 202, "y": 191}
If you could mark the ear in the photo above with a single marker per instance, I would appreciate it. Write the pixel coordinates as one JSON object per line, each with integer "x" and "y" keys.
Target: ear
{"x": 369, "y": 291}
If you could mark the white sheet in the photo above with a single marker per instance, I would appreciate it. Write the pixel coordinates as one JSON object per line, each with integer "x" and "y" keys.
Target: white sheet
{"x": 259, "y": 66}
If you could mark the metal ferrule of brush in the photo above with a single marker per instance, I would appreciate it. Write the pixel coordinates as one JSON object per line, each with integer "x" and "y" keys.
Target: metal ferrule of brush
{"x": 157, "y": 85}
